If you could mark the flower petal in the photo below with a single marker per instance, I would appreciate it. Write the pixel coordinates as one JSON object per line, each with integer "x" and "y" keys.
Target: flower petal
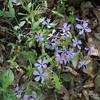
{"x": 78, "y": 26}
{"x": 40, "y": 61}
{"x": 35, "y": 73}
{"x": 25, "y": 97}
{"x": 85, "y": 24}
{"x": 87, "y": 29}
{"x": 44, "y": 66}
{"x": 65, "y": 25}
{"x": 37, "y": 78}
{"x": 81, "y": 32}
{"x": 36, "y": 65}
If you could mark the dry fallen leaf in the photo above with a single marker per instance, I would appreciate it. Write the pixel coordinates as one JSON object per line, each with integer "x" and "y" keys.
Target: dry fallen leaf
{"x": 89, "y": 83}
{"x": 86, "y": 95}
{"x": 69, "y": 69}
{"x": 89, "y": 70}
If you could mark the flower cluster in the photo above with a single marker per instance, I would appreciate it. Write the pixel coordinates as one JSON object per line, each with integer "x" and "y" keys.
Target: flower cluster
{"x": 41, "y": 63}
{"x": 40, "y": 73}
{"x": 20, "y": 94}
{"x": 82, "y": 26}
{"x": 18, "y": 91}
{"x": 47, "y": 23}
{"x": 56, "y": 41}
{"x": 64, "y": 56}
{"x": 39, "y": 37}
{"x": 82, "y": 64}
{"x": 76, "y": 43}
{"x": 64, "y": 31}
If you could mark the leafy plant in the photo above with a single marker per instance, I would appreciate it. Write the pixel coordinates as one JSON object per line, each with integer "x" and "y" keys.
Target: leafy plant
{"x": 56, "y": 81}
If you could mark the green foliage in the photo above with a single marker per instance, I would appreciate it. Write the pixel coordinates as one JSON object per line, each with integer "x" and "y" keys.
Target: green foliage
{"x": 7, "y": 77}
{"x": 36, "y": 24}
{"x": 10, "y": 13}
{"x": 30, "y": 41}
{"x": 71, "y": 19}
{"x": 67, "y": 77}
{"x": 56, "y": 81}
{"x": 9, "y": 95}
{"x": 58, "y": 14}
{"x": 29, "y": 56}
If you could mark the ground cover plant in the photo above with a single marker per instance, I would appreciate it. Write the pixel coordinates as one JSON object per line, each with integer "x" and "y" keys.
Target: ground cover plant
{"x": 49, "y": 50}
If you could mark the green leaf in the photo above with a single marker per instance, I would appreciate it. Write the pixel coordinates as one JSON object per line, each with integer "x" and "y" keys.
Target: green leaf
{"x": 58, "y": 14}
{"x": 66, "y": 42}
{"x": 36, "y": 24}
{"x": 29, "y": 70}
{"x": 29, "y": 55}
{"x": 5, "y": 13}
{"x": 30, "y": 41}
{"x": 22, "y": 23}
{"x": 7, "y": 77}
{"x": 56, "y": 81}
{"x": 10, "y": 13}
{"x": 67, "y": 77}
{"x": 9, "y": 95}
{"x": 71, "y": 19}
{"x": 11, "y": 9}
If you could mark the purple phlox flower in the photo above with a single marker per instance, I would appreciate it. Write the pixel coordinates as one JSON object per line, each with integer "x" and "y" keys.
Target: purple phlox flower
{"x": 28, "y": 97}
{"x": 41, "y": 63}
{"x": 76, "y": 43}
{"x": 17, "y": 88}
{"x": 83, "y": 28}
{"x": 58, "y": 47}
{"x": 53, "y": 39}
{"x": 18, "y": 91}
{"x": 69, "y": 54}
{"x": 52, "y": 42}
{"x": 25, "y": 97}
{"x": 60, "y": 34}
{"x": 39, "y": 37}
{"x": 61, "y": 58}
{"x": 40, "y": 75}
{"x": 65, "y": 31}
{"x": 31, "y": 98}
{"x": 64, "y": 57}
{"x": 66, "y": 28}
{"x": 90, "y": 49}
{"x": 47, "y": 23}
{"x": 82, "y": 64}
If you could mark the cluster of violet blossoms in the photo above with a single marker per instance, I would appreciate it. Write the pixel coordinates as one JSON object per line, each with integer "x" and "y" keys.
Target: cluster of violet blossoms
{"x": 20, "y": 94}
{"x": 63, "y": 32}
{"x": 82, "y": 26}
{"x": 40, "y": 73}
{"x": 48, "y": 24}
{"x": 76, "y": 43}
{"x": 39, "y": 37}
{"x": 64, "y": 56}
{"x": 60, "y": 33}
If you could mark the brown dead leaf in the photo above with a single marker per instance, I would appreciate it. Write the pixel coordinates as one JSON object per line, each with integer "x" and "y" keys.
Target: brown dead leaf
{"x": 89, "y": 83}
{"x": 90, "y": 70}
{"x": 69, "y": 69}
{"x": 65, "y": 93}
{"x": 86, "y": 95}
